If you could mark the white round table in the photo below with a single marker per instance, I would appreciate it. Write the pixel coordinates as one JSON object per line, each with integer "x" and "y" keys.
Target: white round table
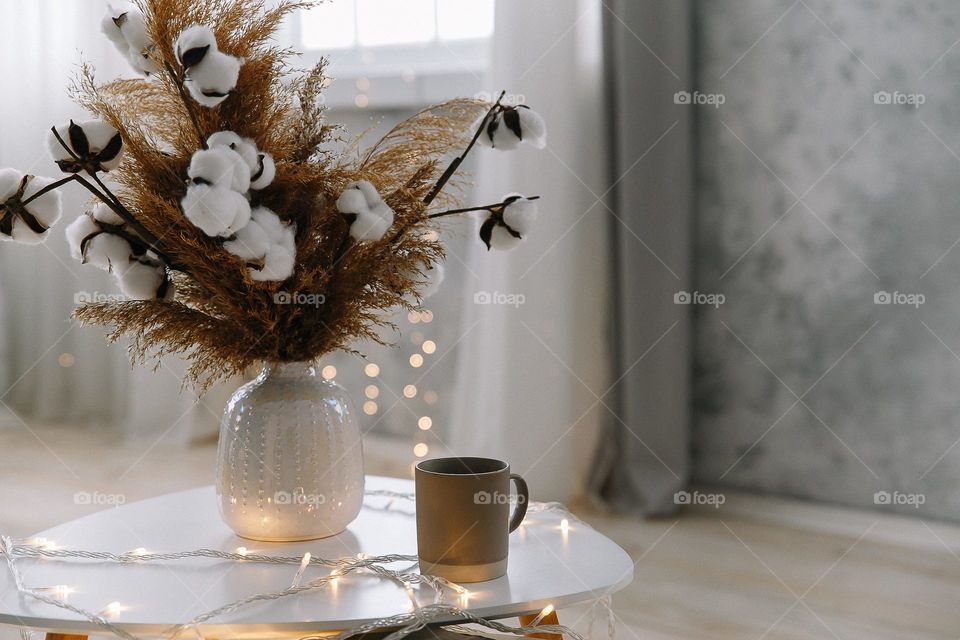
{"x": 548, "y": 564}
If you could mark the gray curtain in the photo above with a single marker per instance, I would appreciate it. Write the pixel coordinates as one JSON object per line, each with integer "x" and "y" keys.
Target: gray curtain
{"x": 643, "y": 457}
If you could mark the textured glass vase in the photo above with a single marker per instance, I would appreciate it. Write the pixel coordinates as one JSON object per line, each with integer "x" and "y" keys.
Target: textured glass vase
{"x": 290, "y": 463}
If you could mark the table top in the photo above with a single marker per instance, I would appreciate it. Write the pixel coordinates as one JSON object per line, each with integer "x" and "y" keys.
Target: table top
{"x": 548, "y": 564}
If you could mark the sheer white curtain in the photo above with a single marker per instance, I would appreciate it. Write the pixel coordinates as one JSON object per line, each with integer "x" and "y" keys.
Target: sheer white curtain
{"x": 54, "y": 370}
{"x": 530, "y": 375}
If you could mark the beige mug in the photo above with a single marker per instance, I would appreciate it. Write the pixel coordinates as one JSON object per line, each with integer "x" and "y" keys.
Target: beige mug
{"x": 463, "y": 517}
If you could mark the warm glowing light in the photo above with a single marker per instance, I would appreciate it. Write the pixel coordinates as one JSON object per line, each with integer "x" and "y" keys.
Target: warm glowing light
{"x": 429, "y": 347}
{"x": 565, "y": 525}
{"x": 430, "y": 397}
{"x": 547, "y": 610}
{"x": 370, "y": 407}
{"x": 425, "y": 423}
{"x": 59, "y": 591}
{"x": 113, "y": 609}
{"x": 303, "y": 567}
{"x": 421, "y": 450}
{"x": 372, "y": 370}
{"x": 329, "y": 372}
{"x": 242, "y": 551}
{"x": 426, "y": 316}
{"x": 416, "y": 361}
{"x": 361, "y": 101}
{"x": 410, "y": 391}
{"x": 413, "y": 317}
{"x": 372, "y": 391}
{"x": 139, "y": 551}
{"x": 66, "y": 360}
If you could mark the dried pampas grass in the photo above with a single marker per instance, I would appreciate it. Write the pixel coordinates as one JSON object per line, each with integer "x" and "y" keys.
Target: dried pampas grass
{"x": 221, "y": 320}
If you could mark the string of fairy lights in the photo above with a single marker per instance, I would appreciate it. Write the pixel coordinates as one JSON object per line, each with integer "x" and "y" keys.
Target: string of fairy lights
{"x": 432, "y": 599}
{"x": 424, "y": 346}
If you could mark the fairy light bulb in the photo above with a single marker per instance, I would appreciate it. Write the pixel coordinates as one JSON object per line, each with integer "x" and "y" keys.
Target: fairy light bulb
{"x": 410, "y": 391}
{"x": 416, "y": 361}
{"x": 547, "y": 610}
{"x": 421, "y": 449}
{"x": 242, "y": 551}
{"x": 429, "y": 346}
{"x": 329, "y": 372}
{"x": 372, "y": 370}
{"x": 425, "y": 422}
{"x": 303, "y": 567}
{"x": 113, "y": 609}
{"x": 139, "y": 551}
{"x": 565, "y": 526}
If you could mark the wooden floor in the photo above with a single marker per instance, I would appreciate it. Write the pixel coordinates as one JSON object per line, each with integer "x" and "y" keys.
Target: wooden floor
{"x": 754, "y": 568}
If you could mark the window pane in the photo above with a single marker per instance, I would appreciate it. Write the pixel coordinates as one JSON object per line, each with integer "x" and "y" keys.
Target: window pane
{"x": 464, "y": 19}
{"x": 394, "y": 22}
{"x": 328, "y": 26}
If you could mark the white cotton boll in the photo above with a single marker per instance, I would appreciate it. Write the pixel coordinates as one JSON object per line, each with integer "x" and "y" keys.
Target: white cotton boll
{"x": 371, "y": 226}
{"x": 534, "y": 127}
{"x": 9, "y": 183}
{"x": 220, "y": 167}
{"x": 141, "y": 281}
{"x": 265, "y": 173}
{"x": 251, "y": 242}
{"x": 521, "y": 214}
{"x": 277, "y": 231}
{"x": 432, "y": 278}
{"x": 105, "y": 215}
{"x": 194, "y": 37}
{"x": 108, "y": 252}
{"x": 351, "y": 201}
{"x": 215, "y": 210}
{"x": 82, "y": 227}
{"x": 502, "y": 240}
{"x": 99, "y": 135}
{"x": 278, "y": 264}
{"x": 110, "y": 28}
{"x": 45, "y": 209}
{"x": 243, "y": 146}
{"x": 212, "y": 80}
{"x": 142, "y": 62}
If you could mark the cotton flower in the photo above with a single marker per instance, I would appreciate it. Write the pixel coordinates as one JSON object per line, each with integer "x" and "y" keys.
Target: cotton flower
{"x": 281, "y": 252}
{"x": 251, "y": 242}
{"x": 92, "y": 243}
{"x": 125, "y": 26}
{"x": 26, "y": 223}
{"x": 367, "y": 214}
{"x": 91, "y": 146}
{"x": 511, "y": 126}
{"x": 144, "y": 279}
{"x": 509, "y": 223}
{"x": 211, "y": 75}
{"x": 217, "y": 211}
{"x": 220, "y": 167}
{"x": 262, "y": 167}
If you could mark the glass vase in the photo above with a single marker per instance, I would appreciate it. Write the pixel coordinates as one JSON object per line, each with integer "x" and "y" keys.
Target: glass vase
{"x": 290, "y": 461}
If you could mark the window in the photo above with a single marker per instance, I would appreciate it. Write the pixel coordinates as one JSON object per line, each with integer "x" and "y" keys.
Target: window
{"x": 411, "y": 51}
{"x": 372, "y": 23}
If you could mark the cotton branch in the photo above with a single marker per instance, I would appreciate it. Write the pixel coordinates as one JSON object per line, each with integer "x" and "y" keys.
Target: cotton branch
{"x": 178, "y": 81}
{"x": 452, "y": 168}
{"x": 486, "y": 207}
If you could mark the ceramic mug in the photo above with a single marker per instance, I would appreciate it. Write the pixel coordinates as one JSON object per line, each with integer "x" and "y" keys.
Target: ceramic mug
{"x": 463, "y": 517}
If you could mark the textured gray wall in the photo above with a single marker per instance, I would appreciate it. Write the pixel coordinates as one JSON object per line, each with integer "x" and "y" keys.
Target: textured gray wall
{"x": 878, "y": 385}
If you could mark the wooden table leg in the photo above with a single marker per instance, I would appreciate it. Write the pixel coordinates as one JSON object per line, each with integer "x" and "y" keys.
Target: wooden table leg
{"x": 550, "y": 618}
{"x": 64, "y": 636}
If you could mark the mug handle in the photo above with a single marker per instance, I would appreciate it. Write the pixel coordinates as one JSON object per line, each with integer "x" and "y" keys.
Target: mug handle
{"x": 523, "y": 497}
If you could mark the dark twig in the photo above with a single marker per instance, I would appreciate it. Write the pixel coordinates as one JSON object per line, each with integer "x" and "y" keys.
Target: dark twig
{"x": 48, "y": 188}
{"x": 177, "y": 80}
{"x": 452, "y": 168}
{"x": 487, "y": 207}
